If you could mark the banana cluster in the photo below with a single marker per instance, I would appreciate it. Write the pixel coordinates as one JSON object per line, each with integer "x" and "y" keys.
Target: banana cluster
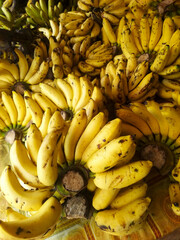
{"x": 156, "y": 127}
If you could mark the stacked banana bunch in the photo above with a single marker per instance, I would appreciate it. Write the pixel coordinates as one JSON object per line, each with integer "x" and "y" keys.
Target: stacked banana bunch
{"x": 156, "y": 128}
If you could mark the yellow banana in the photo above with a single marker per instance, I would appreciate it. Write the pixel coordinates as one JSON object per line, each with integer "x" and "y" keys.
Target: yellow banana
{"x": 123, "y": 176}
{"x": 92, "y": 109}
{"x": 109, "y": 30}
{"x": 54, "y": 95}
{"x": 95, "y": 31}
{"x": 76, "y": 128}
{"x": 56, "y": 122}
{"x": 118, "y": 151}
{"x": 33, "y": 141}
{"x": 128, "y": 129}
{"x": 23, "y": 166}
{"x": 119, "y": 221}
{"x": 5, "y": 116}
{"x": 144, "y": 32}
{"x": 110, "y": 131}
{"x": 47, "y": 169}
{"x": 10, "y": 107}
{"x": 6, "y": 76}
{"x": 103, "y": 197}
{"x": 45, "y": 122}
{"x": 17, "y": 196}
{"x": 35, "y": 110}
{"x": 129, "y": 194}
{"x": 20, "y": 106}
{"x": 12, "y": 67}
{"x": 168, "y": 30}
{"x": 46, "y": 217}
{"x": 44, "y": 102}
{"x": 174, "y": 44}
{"x": 131, "y": 65}
{"x": 136, "y": 36}
{"x": 22, "y": 63}
{"x": 92, "y": 129}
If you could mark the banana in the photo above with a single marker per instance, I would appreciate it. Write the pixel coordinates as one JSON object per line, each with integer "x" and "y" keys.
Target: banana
{"x": 114, "y": 20}
{"x": 44, "y": 102}
{"x": 47, "y": 170}
{"x": 104, "y": 3}
{"x": 140, "y": 110}
{"x": 28, "y": 117}
{"x": 17, "y": 196}
{"x": 84, "y": 7}
{"x": 84, "y": 67}
{"x": 93, "y": 46}
{"x": 123, "y": 176}
{"x": 119, "y": 12}
{"x": 13, "y": 215}
{"x": 23, "y": 166}
{"x": 46, "y": 217}
{"x": 128, "y": 129}
{"x": 75, "y": 84}
{"x": 95, "y": 31}
{"x": 129, "y": 194}
{"x": 172, "y": 116}
{"x": 174, "y": 194}
{"x": 33, "y": 141}
{"x": 76, "y": 128}
{"x": 130, "y": 117}
{"x": 131, "y": 65}
{"x": 118, "y": 151}
{"x": 144, "y": 32}
{"x": 161, "y": 59}
{"x": 56, "y": 122}
{"x": 92, "y": 109}
{"x": 45, "y": 122}
{"x": 22, "y": 64}
{"x": 137, "y": 11}
{"x": 54, "y": 95}
{"x": 153, "y": 108}
{"x": 138, "y": 74}
{"x": 56, "y": 56}
{"x": 168, "y": 30}
{"x": 103, "y": 197}
{"x": 169, "y": 70}
{"x": 174, "y": 44}
{"x": 11, "y": 67}
{"x": 111, "y": 130}
{"x": 136, "y": 36}
{"x": 6, "y": 76}
{"x": 5, "y": 116}
{"x": 122, "y": 22}
{"x": 156, "y": 31}
{"x": 118, "y": 221}
{"x": 85, "y": 93}
{"x": 92, "y": 129}
{"x": 10, "y": 107}
{"x": 35, "y": 110}
{"x": 109, "y": 30}
{"x": 20, "y": 106}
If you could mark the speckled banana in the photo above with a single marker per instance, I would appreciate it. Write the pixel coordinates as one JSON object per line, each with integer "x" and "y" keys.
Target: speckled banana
{"x": 23, "y": 165}
{"x": 118, "y": 221}
{"x": 174, "y": 44}
{"x": 174, "y": 194}
{"x": 47, "y": 170}
{"x": 110, "y": 131}
{"x": 33, "y": 141}
{"x": 56, "y": 122}
{"x": 144, "y": 32}
{"x": 46, "y": 217}
{"x": 17, "y": 196}
{"x": 109, "y": 30}
{"x": 92, "y": 108}
{"x": 123, "y": 176}
{"x": 92, "y": 129}
{"x": 129, "y": 194}
{"x": 76, "y": 128}
{"x": 117, "y": 152}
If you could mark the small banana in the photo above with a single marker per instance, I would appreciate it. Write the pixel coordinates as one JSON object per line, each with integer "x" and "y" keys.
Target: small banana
{"x": 19, "y": 197}
{"x": 46, "y": 217}
{"x": 22, "y": 64}
{"x": 117, "y": 152}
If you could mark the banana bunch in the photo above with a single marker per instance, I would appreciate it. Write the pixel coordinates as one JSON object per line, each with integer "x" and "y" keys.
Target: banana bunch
{"x": 42, "y": 12}
{"x": 21, "y": 76}
{"x": 69, "y": 95}
{"x": 122, "y": 81}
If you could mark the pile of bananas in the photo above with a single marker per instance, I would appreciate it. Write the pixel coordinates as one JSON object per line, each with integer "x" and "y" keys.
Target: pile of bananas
{"x": 88, "y": 112}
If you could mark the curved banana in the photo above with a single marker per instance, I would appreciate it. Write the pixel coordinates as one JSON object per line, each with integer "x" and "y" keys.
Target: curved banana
{"x": 12, "y": 67}
{"x": 23, "y": 166}
{"x": 45, "y": 122}
{"x": 44, "y": 102}
{"x": 144, "y": 32}
{"x": 46, "y": 217}
{"x": 174, "y": 44}
{"x": 109, "y": 30}
{"x": 129, "y": 194}
{"x": 22, "y": 63}
{"x": 20, "y": 106}
{"x": 76, "y": 128}
{"x": 17, "y": 196}
{"x": 118, "y": 221}
{"x": 93, "y": 127}
{"x": 5, "y": 75}
{"x": 123, "y": 176}
{"x": 92, "y": 109}
{"x": 117, "y": 152}
{"x": 111, "y": 130}
{"x": 103, "y": 198}
{"x": 33, "y": 141}
{"x": 47, "y": 169}
{"x": 5, "y": 116}
{"x": 56, "y": 122}
{"x": 54, "y": 95}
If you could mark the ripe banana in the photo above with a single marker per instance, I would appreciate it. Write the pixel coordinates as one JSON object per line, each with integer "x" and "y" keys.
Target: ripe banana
{"x": 129, "y": 194}
{"x": 47, "y": 169}
{"x": 20, "y": 106}
{"x": 120, "y": 220}
{"x": 12, "y": 67}
{"x": 56, "y": 122}
{"x": 76, "y": 128}
{"x": 123, "y": 176}
{"x": 144, "y": 32}
{"x": 117, "y": 152}
{"x": 45, "y": 122}
{"x": 46, "y": 217}
{"x": 22, "y": 64}
{"x": 17, "y": 196}
{"x": 111, "y": 130}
